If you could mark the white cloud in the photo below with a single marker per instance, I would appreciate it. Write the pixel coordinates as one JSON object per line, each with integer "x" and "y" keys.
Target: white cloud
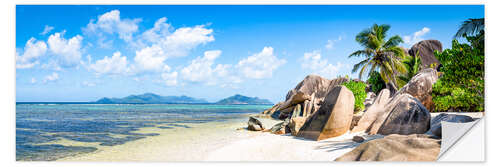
{"x": 330, "y": 43}
{"x": 33, "y": 80}
{"x": 52, "y": 77}
{"x": 164, "y": 44}
{"x": 201, "y": 69}
{"x": 150, "y": 59}
{"x": 67, "y": 51}
{"x": 416, "y": 37}
{"x": 160, "y": 29}
{"x": 117, "y": 64}
{"x": 170, "y": 78}
{"x": 46, "y": 29}
{"x": 260, "y": 65}
{"x": 32, "y": 51}
{"x": 313, "y": 62}
{"x": 111, "y": 23}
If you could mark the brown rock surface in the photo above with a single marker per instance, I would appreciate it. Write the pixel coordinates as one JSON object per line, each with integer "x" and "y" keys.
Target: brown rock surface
{"x": 396, "y": 148}
{"x": 333, "y": 117}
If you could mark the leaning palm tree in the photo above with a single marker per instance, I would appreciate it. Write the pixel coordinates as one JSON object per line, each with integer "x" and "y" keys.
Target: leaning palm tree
{"x": 470, "y": 27}
{"x": 380, "y": 55}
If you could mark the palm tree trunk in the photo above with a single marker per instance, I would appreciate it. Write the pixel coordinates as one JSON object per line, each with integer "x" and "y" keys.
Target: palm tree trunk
{"x": 392, "y": 88}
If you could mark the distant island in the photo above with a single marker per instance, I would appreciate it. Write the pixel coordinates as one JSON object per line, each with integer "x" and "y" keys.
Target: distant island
{"x": 151, "y": 98}
{"x": 240, "y": 99}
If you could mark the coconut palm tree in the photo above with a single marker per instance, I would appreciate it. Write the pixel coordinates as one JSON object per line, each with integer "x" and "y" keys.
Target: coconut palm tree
{"x": 470, "y": 27}
{"x": 412, "y": 65}
{"x": 380, "y": 55}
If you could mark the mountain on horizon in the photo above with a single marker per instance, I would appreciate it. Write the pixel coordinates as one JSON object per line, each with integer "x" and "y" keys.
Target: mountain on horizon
{"x": 151, "y": 98}
{"x": 240, "y": 99}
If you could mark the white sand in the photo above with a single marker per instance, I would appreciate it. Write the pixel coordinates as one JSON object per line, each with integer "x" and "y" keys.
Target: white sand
{"x": 220, "y": 141}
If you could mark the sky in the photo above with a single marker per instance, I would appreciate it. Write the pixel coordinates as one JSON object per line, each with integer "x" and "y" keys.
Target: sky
{"x": 81, "y": 53}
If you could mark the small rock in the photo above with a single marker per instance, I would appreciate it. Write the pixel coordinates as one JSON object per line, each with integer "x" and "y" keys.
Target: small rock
{"x": 358, "y": 139}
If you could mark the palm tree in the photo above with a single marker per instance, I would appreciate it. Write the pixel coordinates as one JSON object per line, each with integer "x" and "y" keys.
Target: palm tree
{"x": 380, "y": 55}
{"x": 470, "y": 27}
{"x": 412, "y": 65}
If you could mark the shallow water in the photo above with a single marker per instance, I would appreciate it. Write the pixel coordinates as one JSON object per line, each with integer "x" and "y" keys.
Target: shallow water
{"x": 41, "y": 128}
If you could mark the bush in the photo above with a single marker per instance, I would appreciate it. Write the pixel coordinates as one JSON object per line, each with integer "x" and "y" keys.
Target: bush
{"x": 376, "y": 82}
{"x": 461, "y": 87}
{"x": 358, "y": 89}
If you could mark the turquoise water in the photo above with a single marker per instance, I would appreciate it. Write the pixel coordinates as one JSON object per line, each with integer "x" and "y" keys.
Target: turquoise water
{"x": 37, "y": 124}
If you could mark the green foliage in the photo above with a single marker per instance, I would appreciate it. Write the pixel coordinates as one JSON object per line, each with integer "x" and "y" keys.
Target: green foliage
{"x": 379, "y": 54}
{"x": 358, "y": 89}
{"x": 376, "y": 82}
{"x": 461, "y": 88}
{"x": 412, "y": 65}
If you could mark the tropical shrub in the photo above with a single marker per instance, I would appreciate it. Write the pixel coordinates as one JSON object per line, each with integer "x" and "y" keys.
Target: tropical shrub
{"x": 376, "y": 82}
{"x": 461, "y": 87}
{"x": 358, "y": 89}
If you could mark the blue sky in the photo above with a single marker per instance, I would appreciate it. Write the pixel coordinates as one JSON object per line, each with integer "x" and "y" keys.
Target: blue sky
{"x": 82, "y": 53}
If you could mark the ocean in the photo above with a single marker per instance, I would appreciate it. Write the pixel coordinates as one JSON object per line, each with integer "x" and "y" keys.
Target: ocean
{"x": 39, "y": 126}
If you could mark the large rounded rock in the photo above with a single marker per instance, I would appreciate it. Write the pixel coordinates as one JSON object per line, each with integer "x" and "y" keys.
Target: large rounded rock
{"x": 254, "y": 124}
{"x": 436, "y": 121}
{"x": 426, "y": 50}
{"x": 420, "y": 87}
{"x": 311, "y": 84}
{"x": 333, "y": 117}
{"x": 404, "y": 114}
{"x": 396, "y": 148}
{"x": 373, "y": 111}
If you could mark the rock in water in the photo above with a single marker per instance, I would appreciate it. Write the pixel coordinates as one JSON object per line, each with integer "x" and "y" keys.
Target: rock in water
{"x": 373, "y": 112}
{"x": 436, "y": 121}
{"x": 254, "y": 124}
{"x": 333, "y": 117}
{"x": 396, "y": 148}
{"x": 426, "y": 50}
{"x": 358, "y": 139}
{"x": 296, "y": 124}
{"x": 420, "y": 87}
{"x": 404, "y": 114}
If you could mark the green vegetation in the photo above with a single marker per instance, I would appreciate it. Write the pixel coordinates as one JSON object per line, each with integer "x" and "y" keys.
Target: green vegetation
{"x": 380, "y": 54}
{"x": 412, "y": 65}
{"x": 461, "y": 88}
{"x": 376, "y": 82}
{"x": 358, "y": 89}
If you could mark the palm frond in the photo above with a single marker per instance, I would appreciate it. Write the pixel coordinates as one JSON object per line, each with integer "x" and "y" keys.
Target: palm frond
{"x": 470, "y": 27}
{"x": 393, "y": 41}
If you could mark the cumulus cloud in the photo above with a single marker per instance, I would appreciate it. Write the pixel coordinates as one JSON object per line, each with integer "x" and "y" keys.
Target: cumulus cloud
{"x": 313, "y": 62}
{"x": 32, "y": 51}
{"x": 260, "y": 65}
{"x": 111, "y": 23}
{"x": 416, "y": 37}
{"x": 201, "y": 68}
{"x": 162, "y": 42}
{"x": 67, "y": 51}
{"x": 50, "y": 78}
{"x": 117, "y": 64}
{"x": 46, "y": 29}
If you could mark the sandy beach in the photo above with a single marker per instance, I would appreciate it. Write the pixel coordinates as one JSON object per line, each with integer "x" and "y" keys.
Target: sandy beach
{"x": 220, "y": 141}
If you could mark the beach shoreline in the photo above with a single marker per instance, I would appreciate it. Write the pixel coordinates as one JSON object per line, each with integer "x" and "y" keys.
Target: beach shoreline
{"x": 220, "y": 141}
